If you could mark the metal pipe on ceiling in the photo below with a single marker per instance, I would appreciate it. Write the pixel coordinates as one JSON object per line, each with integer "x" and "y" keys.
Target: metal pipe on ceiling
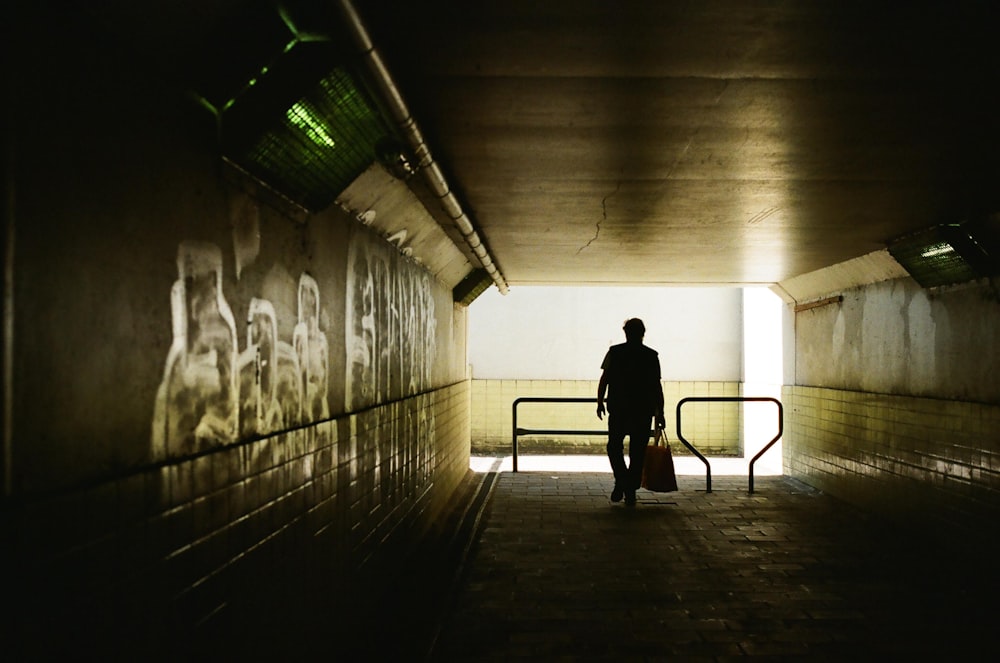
{"x": 431, "y": 172}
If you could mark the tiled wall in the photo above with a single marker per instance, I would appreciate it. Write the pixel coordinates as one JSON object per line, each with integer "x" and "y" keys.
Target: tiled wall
{"x": 203, "y": 547}
{"x": 713, "y": 428}
{"x": 933, "y": 462}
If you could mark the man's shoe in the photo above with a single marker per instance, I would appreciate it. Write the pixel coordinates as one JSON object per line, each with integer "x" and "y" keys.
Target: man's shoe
{"x": 630, "y": 498}
{"x": 616, "y": 494}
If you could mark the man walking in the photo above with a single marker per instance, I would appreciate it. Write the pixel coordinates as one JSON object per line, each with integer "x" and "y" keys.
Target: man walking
{"x": 631, "y": 378}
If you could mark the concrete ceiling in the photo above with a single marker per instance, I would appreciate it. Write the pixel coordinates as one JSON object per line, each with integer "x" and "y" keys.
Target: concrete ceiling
{"x": 719, "y": 142}
{"x": 662, "y": 142}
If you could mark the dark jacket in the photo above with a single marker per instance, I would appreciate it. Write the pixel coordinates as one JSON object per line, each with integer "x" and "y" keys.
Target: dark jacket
{"x": 632, "y": 371}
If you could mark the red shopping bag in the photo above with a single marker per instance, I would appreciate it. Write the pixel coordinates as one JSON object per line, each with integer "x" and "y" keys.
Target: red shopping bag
{"x": 658, "y": 469}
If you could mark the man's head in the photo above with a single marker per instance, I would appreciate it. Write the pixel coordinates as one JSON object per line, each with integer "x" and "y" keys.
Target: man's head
{"x": 634, "y": 329}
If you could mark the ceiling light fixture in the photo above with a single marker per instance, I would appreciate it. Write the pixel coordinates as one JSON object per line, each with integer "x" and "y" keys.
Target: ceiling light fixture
{"x": 290, "y": 109}
{"x": 944, "y": 255}
{"x": 938, "y": 250}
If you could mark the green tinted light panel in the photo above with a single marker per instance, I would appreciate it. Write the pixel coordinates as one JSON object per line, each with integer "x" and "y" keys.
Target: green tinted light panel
{"x": 941, "y": 255}
{"x": 322, "y": 143}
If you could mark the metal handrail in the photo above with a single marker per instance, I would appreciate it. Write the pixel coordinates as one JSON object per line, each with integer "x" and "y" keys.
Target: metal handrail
{"x": 548, "y": 431}
{"x": 732, "y": 399}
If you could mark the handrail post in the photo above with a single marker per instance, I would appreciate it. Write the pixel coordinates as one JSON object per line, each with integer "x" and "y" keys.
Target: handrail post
{"x": 514, "y": 445}
{"x": 781, "y": 428}
{"x": 680, "y": 436}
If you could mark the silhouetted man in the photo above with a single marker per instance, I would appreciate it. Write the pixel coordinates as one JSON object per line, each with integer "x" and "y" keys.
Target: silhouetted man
{"x": 631, "y": 378}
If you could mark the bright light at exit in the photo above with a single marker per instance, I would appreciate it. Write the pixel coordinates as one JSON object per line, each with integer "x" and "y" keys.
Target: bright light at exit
{"x": 558, "y": 335}
{"x": 762, "y": 375}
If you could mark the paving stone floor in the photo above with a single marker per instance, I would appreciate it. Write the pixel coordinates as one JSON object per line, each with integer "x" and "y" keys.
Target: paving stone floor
{"x": 561, "y": 573}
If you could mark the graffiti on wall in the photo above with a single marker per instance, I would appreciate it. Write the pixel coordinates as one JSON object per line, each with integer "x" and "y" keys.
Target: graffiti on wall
{"x": 212, "y": 392}
{"x": 215, "y": 392}
{"x": 391, "y": 327}
{"x": 310, "y": 347}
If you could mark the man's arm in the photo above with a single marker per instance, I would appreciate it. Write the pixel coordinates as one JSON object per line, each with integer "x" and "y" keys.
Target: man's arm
{"x": 602, "y": 387}
{"x": 661, "y": 422}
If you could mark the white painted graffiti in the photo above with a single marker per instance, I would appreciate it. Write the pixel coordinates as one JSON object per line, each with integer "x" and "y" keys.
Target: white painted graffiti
{"x": 391, "y": 327}
{"x": 211, "y": 392}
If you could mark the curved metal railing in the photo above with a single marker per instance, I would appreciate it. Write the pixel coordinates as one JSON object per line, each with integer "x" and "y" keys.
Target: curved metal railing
{"x": 517, "y": 431}
{"x": 730, "y": 399}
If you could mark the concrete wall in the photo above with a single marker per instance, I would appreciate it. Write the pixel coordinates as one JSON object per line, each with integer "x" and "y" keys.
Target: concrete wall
{"x": 226, "y": 416}
{"x": 560, "y": 333}
{"x": 895, "y": 401}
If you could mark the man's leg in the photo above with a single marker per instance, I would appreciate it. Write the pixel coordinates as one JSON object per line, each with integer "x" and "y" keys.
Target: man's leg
{"x": 637, "y": 440}
{"x": 616, "y": 454}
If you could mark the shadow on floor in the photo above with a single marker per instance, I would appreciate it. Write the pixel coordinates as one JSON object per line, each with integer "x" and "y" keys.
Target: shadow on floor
{"x": 560, "y": 572}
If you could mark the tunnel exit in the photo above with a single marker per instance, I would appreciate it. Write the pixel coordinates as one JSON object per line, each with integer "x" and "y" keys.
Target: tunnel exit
{"x": 549, "y": 341}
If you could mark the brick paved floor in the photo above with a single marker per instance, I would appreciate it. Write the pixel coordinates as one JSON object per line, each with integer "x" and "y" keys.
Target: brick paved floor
{"x": 560, "y": 573}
